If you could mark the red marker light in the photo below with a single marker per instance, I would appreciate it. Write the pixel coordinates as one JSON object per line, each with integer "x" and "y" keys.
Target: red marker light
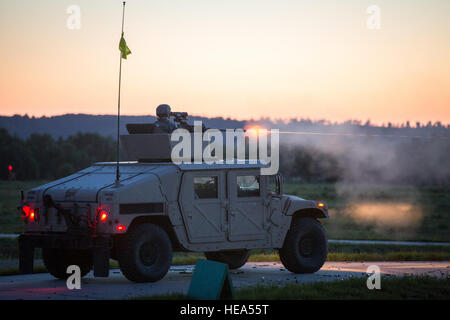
{"x": 10, "y": 167}
{"x": 120, "y": 228}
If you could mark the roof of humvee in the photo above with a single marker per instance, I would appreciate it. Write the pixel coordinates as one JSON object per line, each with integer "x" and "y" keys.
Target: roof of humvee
{"x": 188, "y": 166}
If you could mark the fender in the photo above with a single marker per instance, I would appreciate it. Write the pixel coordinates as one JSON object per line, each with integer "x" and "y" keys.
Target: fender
{"x": 296, "y": 206}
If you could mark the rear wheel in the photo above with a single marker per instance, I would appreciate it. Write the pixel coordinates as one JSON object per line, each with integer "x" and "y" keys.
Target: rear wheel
{"x": 57, "y": 260}
{"x": 305, "y": 247}
{"x": 234, "y": 259}
{"x": 145, "y": 253}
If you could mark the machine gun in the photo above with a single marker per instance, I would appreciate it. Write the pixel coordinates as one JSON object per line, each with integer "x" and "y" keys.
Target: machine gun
{"x": 180, "y": 118}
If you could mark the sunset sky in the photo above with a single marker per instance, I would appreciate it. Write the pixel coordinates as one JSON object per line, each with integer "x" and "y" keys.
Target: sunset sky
{"x": 238, "y": 58}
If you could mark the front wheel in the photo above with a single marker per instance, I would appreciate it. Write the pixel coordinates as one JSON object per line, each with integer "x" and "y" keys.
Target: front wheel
{"x": 145, "y": 253}
{"x": 305, "y": 247}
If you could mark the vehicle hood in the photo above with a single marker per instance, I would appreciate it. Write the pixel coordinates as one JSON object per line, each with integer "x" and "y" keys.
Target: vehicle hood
{"x": 85, "y": 185}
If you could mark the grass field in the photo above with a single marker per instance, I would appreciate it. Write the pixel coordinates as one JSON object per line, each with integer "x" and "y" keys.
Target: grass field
{"x": 370, "y": 212}
{"x": 402, "y": 288}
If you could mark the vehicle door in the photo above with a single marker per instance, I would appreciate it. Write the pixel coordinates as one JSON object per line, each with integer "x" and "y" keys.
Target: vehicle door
{"x": 202, "y": 199}
{"x": 246, "y": 214}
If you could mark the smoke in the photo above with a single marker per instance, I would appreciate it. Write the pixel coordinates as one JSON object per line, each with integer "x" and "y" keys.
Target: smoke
{"x": 395, "y": 215}
{"x": 376, "y": 171}
{"x": 357, "y": 155}
{"x": 388, "y": 209}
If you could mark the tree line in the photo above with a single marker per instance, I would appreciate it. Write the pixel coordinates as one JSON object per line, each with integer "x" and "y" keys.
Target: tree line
{"x": 313, "y": 159}
{"x": 42, "y": 157}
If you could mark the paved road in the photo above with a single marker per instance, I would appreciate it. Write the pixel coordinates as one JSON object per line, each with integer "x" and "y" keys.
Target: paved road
{"x": 44, "y": 286}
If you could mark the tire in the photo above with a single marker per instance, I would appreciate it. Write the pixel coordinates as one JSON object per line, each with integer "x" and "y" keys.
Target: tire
{"x": 305, "y": 247}
{"x": 145, "y": 253}
{"x": 57, "y": 260}
{"x": 234, "y": 259}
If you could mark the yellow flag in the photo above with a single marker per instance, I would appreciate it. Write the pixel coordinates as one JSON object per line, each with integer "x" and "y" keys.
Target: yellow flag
{"x": 124, "y": 48}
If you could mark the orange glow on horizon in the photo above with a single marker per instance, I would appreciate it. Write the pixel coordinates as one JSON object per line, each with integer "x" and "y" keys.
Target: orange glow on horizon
{"x": 255, "y": 130}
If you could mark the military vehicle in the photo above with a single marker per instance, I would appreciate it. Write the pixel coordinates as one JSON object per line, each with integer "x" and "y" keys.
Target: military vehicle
{"x": 158, "y": 207}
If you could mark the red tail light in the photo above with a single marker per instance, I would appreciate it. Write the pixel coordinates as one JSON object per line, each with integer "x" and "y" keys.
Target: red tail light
{"x": 29, "y": 214}
{"x": 25, "y": 212}
{"x": 120, "y": 228}
{"x": 32, "y": 215}
{"x": 103, "y": 215}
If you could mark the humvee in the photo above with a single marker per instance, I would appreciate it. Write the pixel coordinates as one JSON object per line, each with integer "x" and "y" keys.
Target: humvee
{"x": 158, "y": 207}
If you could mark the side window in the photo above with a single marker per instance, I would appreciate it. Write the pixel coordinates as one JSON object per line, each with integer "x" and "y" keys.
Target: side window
{"x": 248, "y": 186}
{"x": 205, "y": 187}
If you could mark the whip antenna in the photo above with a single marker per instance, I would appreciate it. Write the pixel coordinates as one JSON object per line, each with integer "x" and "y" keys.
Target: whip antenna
{"x": 124, "y": 51}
